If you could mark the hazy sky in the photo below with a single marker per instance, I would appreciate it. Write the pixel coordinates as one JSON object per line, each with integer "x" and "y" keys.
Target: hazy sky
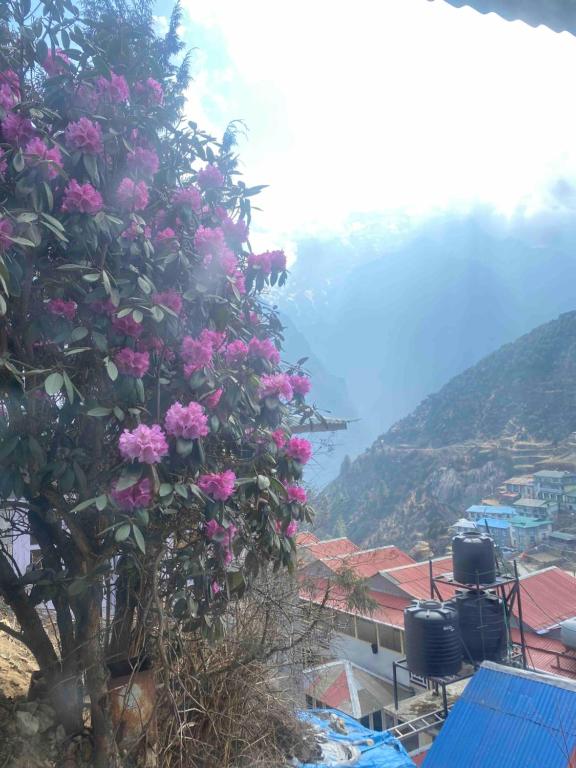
{"x": 372, "y": 105}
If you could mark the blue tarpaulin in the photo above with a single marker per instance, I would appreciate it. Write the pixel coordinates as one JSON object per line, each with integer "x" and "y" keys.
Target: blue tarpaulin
{"x": 384, "y": 751}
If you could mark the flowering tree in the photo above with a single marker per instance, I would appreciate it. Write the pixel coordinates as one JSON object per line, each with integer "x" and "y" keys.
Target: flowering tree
{"x": 144, "y": 438}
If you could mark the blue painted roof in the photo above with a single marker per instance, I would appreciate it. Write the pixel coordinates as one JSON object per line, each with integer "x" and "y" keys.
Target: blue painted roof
{"x": 509, "y": 718}
{"x": 385, "y": 752}
{"x": 488, "y": 510}
{"x": 492, "y": 523}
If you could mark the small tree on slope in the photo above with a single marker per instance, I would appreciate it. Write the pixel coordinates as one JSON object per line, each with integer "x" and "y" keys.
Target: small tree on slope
{"x": 143, "y": 406}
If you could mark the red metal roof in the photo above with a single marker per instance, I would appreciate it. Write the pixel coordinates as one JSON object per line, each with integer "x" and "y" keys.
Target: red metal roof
{"x": 548, "y": 597}
{"x": 389, "y": 608}
{"x": 305, "y": 538}
{"x": 414, "y": 580}
{"x": 332, "y": 548}
{"x": 419, "y": 759}
{"x": 547, "y": 654}
{"x": 368, "y": 562}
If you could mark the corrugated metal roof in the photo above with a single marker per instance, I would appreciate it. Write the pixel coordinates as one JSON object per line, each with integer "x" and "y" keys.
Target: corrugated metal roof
{"x": 558, "y": 15}
{"x": 492, "y": 523}
{"x": 414, "y": 580}
{"x": 368, "y": 562}
{"x": 548, "y": 597}
{"x": 332, "y": 548}
{"x": 528, "y": 522}
{"x": 348, "y": 687}
{"x": 305, "y": 538}
{"x": 488, "y": 509}
{"x": 509, "y": 718}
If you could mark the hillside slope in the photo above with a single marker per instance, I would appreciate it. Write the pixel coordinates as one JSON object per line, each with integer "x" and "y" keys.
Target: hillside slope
{"x": 455, "y": 447}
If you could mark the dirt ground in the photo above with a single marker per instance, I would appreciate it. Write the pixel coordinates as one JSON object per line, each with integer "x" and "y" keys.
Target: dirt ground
{"x": 16, "y": 666}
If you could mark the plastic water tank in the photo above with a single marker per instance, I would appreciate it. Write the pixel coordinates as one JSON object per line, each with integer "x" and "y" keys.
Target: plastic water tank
{"x": 433, "y": 647}
{"x": 568, "y": 633}
{"x": 482, "y": 625}
{"x": 473, "y": 559}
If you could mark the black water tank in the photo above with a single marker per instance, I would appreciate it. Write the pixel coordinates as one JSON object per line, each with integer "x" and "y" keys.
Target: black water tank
{"x": 433, "y": 647}
{"x": 473, "y": 559}
{"x": 482, "y": 625}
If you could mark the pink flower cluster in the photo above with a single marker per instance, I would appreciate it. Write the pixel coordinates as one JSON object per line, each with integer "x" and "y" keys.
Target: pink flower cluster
{"x": 115, "y": 90}
{"x": 212, "y": 400}
{"x": 132, "y": 363}
{"x": 279, "y": 438}
{"x": 56, "y": 62}
{"x": 9, "y": 89}
{"x": 37, "y": 150}
{"x": 137, "y": 496}
{"x": 290, "y": 529}
{"x": 235, "y": 232}
{"x": 263, "y": 349}
{"x": 210, "y": 177}
{"x": 81, "y": 198}
{"x": 166, "y": 239}
{"x": 62, "y": 308}
{"x": 277, "y": 385}
{"x": 144, "y": 162}
{"x": 186, "y": 421}
{"x": 223, "y": 536}
{"x": 145, "y": 444}
{"x": 298, "y": 449}
{"x": 170, "y": 299}
{"x": 267, "y": 262}
{"x": 6, "y": 232}
{"x": 84, "y": 136}
{"x": 127, "y": 326}
{"x": 209, "y": 242}
{"x": 296, "y": 494}
{"x": 219, "y": 486}
{"x": 151, "y": 90}
{"x": 16, "y": 129}
{"x": 132, "y": 195}
{"x": 301, "y": 385}
{"x": 134, "y": 231}
{"x": 235, "y": 353}
{"x": 188, "y": 197}
{"x": 198, "y": 353}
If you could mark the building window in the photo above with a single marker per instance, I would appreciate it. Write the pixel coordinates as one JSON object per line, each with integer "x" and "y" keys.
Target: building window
{"x": 390, "y": 637}
{"x": 344, "y": 623}
{"x": 366, "y": 631}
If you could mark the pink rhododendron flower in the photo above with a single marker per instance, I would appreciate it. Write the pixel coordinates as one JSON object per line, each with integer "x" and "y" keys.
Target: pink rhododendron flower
{"x": 215, "y": 338}
{"x": 212, "y": 400}
{"x": 84, "y": 136}
{"x": 235, "y": 352}
{"x": 145, "y": 444}
{"x": 132, "y": 363}
{"x": 277, "y": 260}
{"x": 8, "y": 97}
{"x": 128, "y": 326}
{"x": 138, "y": 496}
{"x": 209, "y": 242}
{"x": 229, "y": 262}
{"x": 163, "y": 235}
{"x": 235, "y": 232}
{"x": 17, "y": 130}
{"x": 279, "y": 438}
{"x": 81, "y": 198}
{"x": 56, "y": 62}
{"x": 87, "y": 96}
{"x": 188, "y": 197}
{"x": 260, "y": 261}
{"x": 216, "y": 588}
{"x": 134, "y": 231}
{"x": 155, "y": 344}
{"x": 6, "y": 232}
{"x": 210, "y": 178}
{"x": 291, "y": 528}
{"x": 114, "y": 90}
{"x": 143, "y": 162}
{"x": 151, "y": 90}
{"x": 300, "y": 384}
{"x": 263, "y": 349}
{"x": 170, "y": 299}
{"x": 186, "y": 421}
{"x": 196, "y": 354}
{"x": 36, "y": 149}
{"x": 297, "y": 494}
{"x": 240, "y": 282}
{"x": 219, "y": 486}
{"x": 212, "y": 528}
{"x": 132, "y": 195}
{"x": 62, "y": 308}
{"x": 277, "y": 385}
{"x": 299, "y": 449}
{"x": 10, "y": 78}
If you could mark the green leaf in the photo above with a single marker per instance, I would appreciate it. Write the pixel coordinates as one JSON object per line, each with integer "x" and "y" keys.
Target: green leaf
{"x": 50, "y": 202}
{"x": 181, "y": 490}
{"x": 7, "y": 446}
{"x": 76, "y": 351}
{"x": 69, "y": 387}
{"x": 165, "y": 489}
{"x": 157, "y": 314}
{"x": 184, "y": 447}
{"x": 99, "y": 412}
{"x": 53, "y": 383}
{"x": 84, "y": 505}
{"x": 111, "y": 369}
{"x": 143, "y": 516}
{"x": 137, "y": 316}
{"x": 78, "y": 333}
{"x": 119, "y": 413}
{"x": 101, "y": 502}
{"x": 3, "y": 305}
{"x": 263, "y": 482}
{"x": 129, "y": 478}
{"x": 122, "y": 533}
{"x": 144, "y": 285}
{"x": 26, "y": 217}
{"x": 23, "y": 241}
{"x": 139, "y": 539}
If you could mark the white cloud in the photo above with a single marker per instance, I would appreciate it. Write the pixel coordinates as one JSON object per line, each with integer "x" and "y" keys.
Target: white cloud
{"x": 387, "y": 104}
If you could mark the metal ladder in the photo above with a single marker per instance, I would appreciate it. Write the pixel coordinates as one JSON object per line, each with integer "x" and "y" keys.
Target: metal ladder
{"x": 419, "y": 724}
